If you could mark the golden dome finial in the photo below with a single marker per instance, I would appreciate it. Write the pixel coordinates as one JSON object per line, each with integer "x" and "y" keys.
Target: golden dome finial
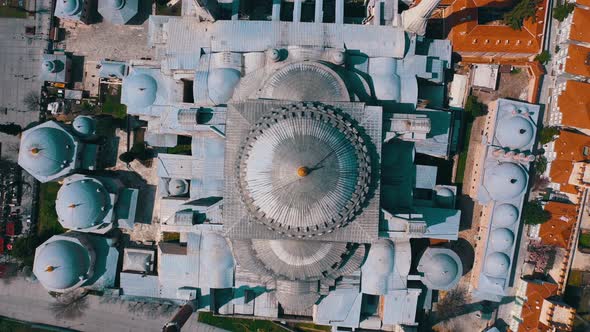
{"x": 302, "y": 171}
{"x": 35, "y": 150}
{"x": 49, "y": 268}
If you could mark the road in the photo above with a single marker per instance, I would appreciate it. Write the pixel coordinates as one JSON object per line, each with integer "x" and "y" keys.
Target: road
{"x": 22, "y": 300}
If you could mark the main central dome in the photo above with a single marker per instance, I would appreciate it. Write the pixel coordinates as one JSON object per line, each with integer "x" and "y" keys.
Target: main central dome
{"x": 304, "y": 170}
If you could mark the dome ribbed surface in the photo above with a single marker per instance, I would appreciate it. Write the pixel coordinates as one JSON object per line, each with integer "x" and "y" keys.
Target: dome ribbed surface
{"x": 46, "y": 151}
{"x": 299, "y": 260}
{"x": 303, "y": 171}
{"x": 297, "y": 295}
{"x": 306, "y": 81}
{"x": 82, "y": 204}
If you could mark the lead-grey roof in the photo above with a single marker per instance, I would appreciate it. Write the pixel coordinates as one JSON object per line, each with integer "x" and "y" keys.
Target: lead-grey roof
{"x": 54, "y": 68}
{"x": 82, "y": 204}
{"x": 441, "y": 268}
{"x": 505, "y": 181}
{"x": 62, "y": 264}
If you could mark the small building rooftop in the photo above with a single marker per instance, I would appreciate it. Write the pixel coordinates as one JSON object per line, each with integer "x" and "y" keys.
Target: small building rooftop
{"x": 574, "y": 104}
{"x": 558, "y": 230}
{"x": 579, "y": 27}
{"x": 578, "y": 60}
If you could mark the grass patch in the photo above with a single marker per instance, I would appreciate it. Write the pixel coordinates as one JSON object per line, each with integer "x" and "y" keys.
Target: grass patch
{"x": 12, "y": 12}
{"x": 170, "y": 237}
{"x": 310, "y": 327}
{"x": 239, "y": 324}
{"x": 584, "y": 242}
{"x": 575, "y": 278}
{"x": 180, "y": 149}
{"x": 47, "y": 216}
{"x": 461, "y": 163}
{"x": 112, "y": 105}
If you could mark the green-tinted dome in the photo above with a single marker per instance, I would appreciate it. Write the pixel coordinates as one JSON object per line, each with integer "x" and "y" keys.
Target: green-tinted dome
{"x": 61, "y": 264}
{"x": 46, "y": 151}
{"x": 117, "y": 4}
{"x": 141, "y": 90}
{"x": 71, "y": 7}
{"x": 82, "y": 204}
{"x": 84, "y": 125}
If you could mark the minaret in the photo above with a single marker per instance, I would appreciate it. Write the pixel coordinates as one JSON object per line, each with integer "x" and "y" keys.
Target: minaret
{"x": 414, "y": 19}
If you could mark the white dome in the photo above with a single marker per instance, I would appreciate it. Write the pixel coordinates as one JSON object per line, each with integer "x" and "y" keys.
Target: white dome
{"x": 177, "y": 187}
{"x": 380, "y": 259}
{"x": 61, "y": 264}
{"x": 303, "y": 171}
{"x": 140, "y": 89}
{"x": 502, "y": 239}
{"x": 70, "y": 7}
{"x": 497, "y": 264}
{"x": 441, "y": 267}
{"x": 505, "y": 181}
{"x": 505, "y": 215}
{"x": 46, "y": 151}
{"x": 221, "y": 84}
{"x": 515, "y": 132}
{"x": 84, "y": 125}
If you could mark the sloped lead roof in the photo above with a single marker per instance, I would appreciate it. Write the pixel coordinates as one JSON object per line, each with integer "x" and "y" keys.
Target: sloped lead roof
{"x": 303, "y": 171}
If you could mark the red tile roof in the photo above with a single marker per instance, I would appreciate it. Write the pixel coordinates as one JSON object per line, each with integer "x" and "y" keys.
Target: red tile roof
{"x": 579, "y": 27}
{"x": 467, "y": 35}
{"x": 569, "y": 148}
{"x": 531, "y": 310}
{"x": 574, "y": 104}
{"x": 577, "y": 60}
{"x": 558, "y": 230}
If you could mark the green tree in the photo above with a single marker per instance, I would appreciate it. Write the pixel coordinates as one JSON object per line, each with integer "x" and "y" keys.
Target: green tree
{"x": 534, "y": 214}
{"x": 541, "y": 165}
{"x": 560, "y": 12}
{"x": 473, "y": 107}
{"x": 543, "y": 57}
{"x": 127, "y": 157}
{"x": 547, "y": 134}
{"x": 524, "y": 10}
{"x": 10, "y": 129}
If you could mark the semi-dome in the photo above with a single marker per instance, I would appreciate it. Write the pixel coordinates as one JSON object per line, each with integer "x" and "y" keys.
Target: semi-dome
{"x": 441, "y": 269}
{"x": 497, "y": 264}
{"x": 82, "y": 204}
{"x": 502, "y": 239}
{"x": 117, "y": 4}
{"x": 306, "y": 81}
{"x": 515, "y": 132}
{"x": 221, "y": 83}
{"x": 71, "y": 7}
{"x": 299, "y": 260}
{"x": 177, "y": 187}
{"x": 444, "y": 197}
{"x": 505, "y": 181}
{"x": 505, "y": 215}
{"x": 297, "y": 295}
{"x": 61, "y": 264}
{"x": 303, "y": 171}
{"x": 46, "y": 151}
{"x": 84, "y": 125}
{"x": 141, "y": 90}
{"x": 49, "y": 66}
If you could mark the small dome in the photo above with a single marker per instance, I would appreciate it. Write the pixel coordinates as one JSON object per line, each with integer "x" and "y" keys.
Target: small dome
{"x": 502, "y": 239}
{"x": 505, "y": 181}
{"x": 177, "y": 187}
{"x": 71, "y": 7}
{"x": 49, "y": 66}
{"x": 505, "y": 215}
{"x": 221, "y": 84}
{"x": 442, "y": 269}
{"x": 61, "y": 264}
{"x": 141, "y": 90}
{"x": 84, "y": 125}
{"x": 515, "y": 132}
{"x": 497, "y": 264}
{"x": 444, "y": 197}
{"x": 82, "y": 204}
{"x": 46, "y": 151}
{"x": 117, "y": 4}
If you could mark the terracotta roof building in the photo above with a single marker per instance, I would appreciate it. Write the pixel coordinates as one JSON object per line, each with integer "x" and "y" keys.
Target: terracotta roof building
{"x": 571, "y": 106}
{"x": 568, "y": 149}
{"x": 536, "y": 293}
{"x": 575, "y": 27}
{"x": 573, "y": 61}
{"x": 558, "y": 230}
{"x": 477, "y": 36}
